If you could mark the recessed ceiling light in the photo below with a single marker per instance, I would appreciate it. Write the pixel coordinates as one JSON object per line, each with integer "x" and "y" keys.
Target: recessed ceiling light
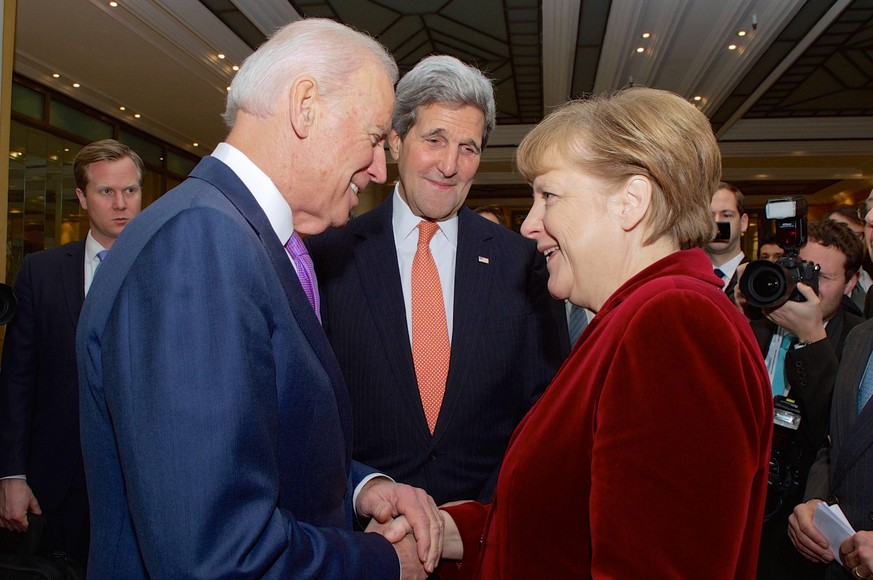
{"x": 741, "y": 33}
{"x": 220, "y": 56}
{"x": 641, "y": 49}
{"x": 56, "y": 75}
{"x": 137, "y": 115}
{"x": 235, "y": 67}
{"x": 228, "y": 89}
{"x": 114, "y": 4}
{"x": 647, "y": 34}
{"x": 698, "y": 98}
{"x": 122, "y": 108}
{"x": 76, "y": 85}
{"x": 732, "y": 47}
{"x": 196, "y": 144}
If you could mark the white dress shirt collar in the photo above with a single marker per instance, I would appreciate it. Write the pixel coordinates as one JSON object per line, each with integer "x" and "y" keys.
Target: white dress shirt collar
{"x": 262, "y": 188}
{"x": 405, "y": 222}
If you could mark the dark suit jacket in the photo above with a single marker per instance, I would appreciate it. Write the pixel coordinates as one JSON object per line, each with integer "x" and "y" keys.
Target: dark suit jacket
{"x": 811, "y": 371}
{"x": 39, "y": 396}
{"x": 505, "y": 348}
{"x": 216, "y": 427}
{"x": 844, "y": 471}
{"x": 730, "y": 287}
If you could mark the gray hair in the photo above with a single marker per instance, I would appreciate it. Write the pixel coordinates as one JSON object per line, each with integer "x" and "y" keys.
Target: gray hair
{"x": 323, "y": 49}
{"x": 443, "y": 79}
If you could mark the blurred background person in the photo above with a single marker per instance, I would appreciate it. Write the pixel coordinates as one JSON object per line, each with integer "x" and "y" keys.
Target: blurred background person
{"x": 647, "y": 455}
{"x": 728, "y": 206}
{"x": 40, "y": 454}
{"x": 769, "y": 248}
{"x": 491, "y": 213}
{"x": 854, "y": 218}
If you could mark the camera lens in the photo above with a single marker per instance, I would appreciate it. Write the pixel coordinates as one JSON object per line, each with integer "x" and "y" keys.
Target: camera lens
{"x": 765, "y": 284}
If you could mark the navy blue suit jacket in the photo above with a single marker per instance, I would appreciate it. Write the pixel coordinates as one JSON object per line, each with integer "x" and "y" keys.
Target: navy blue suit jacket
{"x": 505, "y": 349}
{"x": 216, "y": 427}
{"x": 39, "y": 389}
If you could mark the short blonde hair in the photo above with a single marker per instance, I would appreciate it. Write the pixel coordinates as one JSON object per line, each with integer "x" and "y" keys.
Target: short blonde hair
{"x": 636, "y": 131}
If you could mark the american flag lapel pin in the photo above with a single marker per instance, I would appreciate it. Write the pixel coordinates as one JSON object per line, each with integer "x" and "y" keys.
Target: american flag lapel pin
{"x": 484, "y": 260}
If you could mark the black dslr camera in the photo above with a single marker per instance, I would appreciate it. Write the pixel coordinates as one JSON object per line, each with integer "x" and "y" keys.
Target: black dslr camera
{"x": 768, "y": 284}
{"x": 788, "y": 466}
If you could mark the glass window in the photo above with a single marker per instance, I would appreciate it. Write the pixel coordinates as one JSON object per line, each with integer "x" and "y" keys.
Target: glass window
{"x": 28, "y": 101}
{"x": 79, "y": 123}
{"x": 150, "y": 151}
{"x": 180, "y": 165}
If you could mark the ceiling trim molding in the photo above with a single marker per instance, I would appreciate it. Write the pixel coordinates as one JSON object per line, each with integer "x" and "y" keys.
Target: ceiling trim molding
{"x": 816, "y": 31}
{"x": 32, "y": 68}
{"x": 800, "y": 129}
{"x": 183, "y": 30}
{"x": 719, "y": 71}
{"x": 268, "y": 15}
{"x": 560, "y": 27}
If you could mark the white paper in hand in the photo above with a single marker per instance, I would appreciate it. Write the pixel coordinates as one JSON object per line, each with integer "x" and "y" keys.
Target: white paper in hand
{"x": 832, "y": 523}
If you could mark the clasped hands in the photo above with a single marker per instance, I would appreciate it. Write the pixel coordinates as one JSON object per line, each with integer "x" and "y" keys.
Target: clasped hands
{"x": 409, "y": 519}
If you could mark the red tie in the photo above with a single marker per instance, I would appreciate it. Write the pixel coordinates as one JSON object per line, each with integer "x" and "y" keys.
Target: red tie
{"x": 430, "y": 335}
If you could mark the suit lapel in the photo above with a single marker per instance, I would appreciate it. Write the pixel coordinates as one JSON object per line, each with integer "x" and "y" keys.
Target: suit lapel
{"x": 230, "y": 185}
{"x": 857, "y": 428}
{"x": 379, "y": 274}
{"x": 473, "y": 281}
{"x": 73, "y": 280}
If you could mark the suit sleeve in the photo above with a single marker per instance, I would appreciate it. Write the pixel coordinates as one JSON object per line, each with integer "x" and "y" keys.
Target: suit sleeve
{"x": 18, "y": 378}
{"x": 680, "y": 445}
{"x": 189, "y": 364}
{"x": 811, "y": 371}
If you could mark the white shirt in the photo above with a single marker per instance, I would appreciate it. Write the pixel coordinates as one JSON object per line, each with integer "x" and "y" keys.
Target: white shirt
{"x": 92, "y": 248}
{"x": 262, "y": 188}
{"x": 864, "y": 280}
{"x": 728, "y": 268}
{"x": 443, "y": 247}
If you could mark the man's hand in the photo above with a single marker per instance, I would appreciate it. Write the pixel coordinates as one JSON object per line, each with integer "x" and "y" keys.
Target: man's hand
{"x": 16, "y": 499}
{"x": 410, "y": 565}
{"x": 805, "y": 536}
{"x": 803, "y": 319}
{"x": 382, "y": 499}
{"x": 857, "y": 553}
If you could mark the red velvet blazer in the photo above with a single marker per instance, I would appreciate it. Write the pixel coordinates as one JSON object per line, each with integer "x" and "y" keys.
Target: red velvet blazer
{"x": 647, "y": 456}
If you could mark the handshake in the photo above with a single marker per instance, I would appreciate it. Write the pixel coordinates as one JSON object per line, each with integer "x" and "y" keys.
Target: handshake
{"x": 408, "y": 518}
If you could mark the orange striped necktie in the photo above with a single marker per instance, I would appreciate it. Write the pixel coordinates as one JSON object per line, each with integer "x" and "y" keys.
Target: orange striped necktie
{"x": 430, "y": 335}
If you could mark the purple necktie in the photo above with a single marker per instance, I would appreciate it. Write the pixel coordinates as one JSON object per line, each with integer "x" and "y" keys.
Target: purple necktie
{"x": 305, "y": 270}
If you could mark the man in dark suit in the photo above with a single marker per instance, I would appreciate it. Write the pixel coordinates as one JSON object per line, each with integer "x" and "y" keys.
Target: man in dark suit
{"x": 802, "y": 343}
{"x": 728, "y": 207}
{"x": 842, "y": 472}
{"x": 445, "y": 430}
{"x": 40, "y": 455}
{"x": 216, "y": 426}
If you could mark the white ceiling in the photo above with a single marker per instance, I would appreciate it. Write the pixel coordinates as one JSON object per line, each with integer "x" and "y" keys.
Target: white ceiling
{"x": 158, "y": 58}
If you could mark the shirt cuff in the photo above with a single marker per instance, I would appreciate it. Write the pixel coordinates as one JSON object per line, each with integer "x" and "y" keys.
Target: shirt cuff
{"x": 361, "y": 485}
{"x": 24, "y": 477}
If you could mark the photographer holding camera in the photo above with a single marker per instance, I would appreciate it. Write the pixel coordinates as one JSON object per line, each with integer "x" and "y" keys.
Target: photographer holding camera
{"x": 802, "y": 340}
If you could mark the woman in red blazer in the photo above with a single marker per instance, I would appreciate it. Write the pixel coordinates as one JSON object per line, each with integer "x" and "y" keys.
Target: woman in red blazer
{"x": 647, "y": 456}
